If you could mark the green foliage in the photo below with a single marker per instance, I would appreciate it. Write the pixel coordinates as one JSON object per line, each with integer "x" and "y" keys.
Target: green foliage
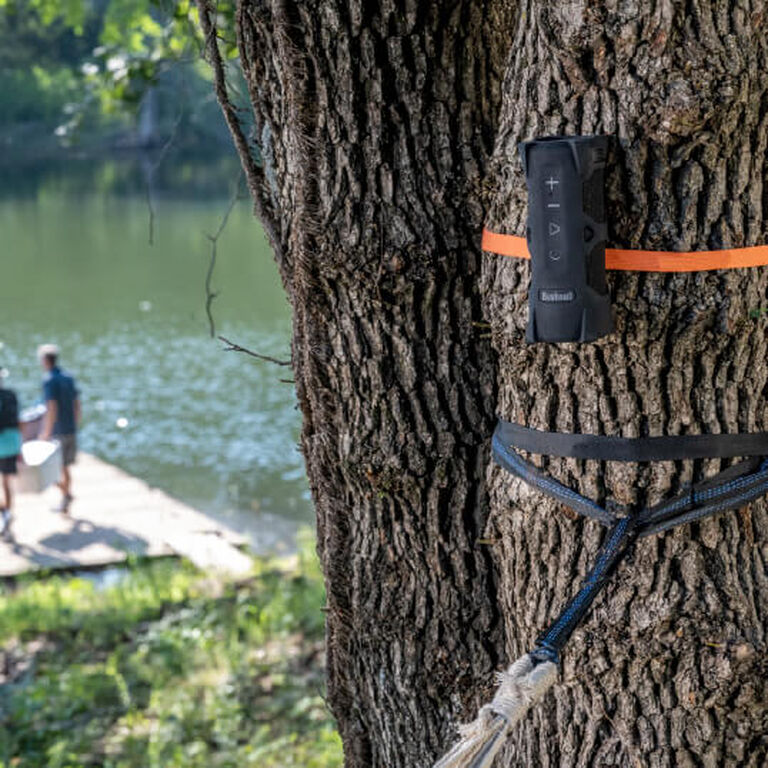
{"x": 167, "y": 668}
{"x": 139, "y": 40}
{"x": 71, "y": 12}
{"x": 95, "y": 61}
{"x": 55, "y": 605}
{"x": 37, "y": 93}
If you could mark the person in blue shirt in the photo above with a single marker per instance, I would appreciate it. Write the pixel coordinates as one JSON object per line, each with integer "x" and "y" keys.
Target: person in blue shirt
{"x": 62, "y": 417}
{"x": 10, "y": 446}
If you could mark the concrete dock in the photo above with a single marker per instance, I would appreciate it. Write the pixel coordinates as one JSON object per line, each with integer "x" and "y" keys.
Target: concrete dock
{"x": 114, "y": 515}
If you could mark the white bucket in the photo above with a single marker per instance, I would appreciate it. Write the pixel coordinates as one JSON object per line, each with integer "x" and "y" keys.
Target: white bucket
{"x": 40, "y": 466}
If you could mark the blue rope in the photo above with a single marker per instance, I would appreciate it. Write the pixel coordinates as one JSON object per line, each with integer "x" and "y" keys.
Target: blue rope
{"x": 712, "y": 500}
{"x": 697, "y": 502}
{"x": 514, "y": 464}
{"x": 732, "y": 502}
{"x": 610, "y": 554}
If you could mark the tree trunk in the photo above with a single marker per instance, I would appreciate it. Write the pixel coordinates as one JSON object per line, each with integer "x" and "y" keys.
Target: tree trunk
{"x": 671, "y": 668}
{"x": 374, "y": 125}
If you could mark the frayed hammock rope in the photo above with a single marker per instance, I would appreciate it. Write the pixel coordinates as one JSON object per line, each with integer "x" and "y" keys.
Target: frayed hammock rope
{"x": 526, "y": 681}
{"x": 523, "y": 684}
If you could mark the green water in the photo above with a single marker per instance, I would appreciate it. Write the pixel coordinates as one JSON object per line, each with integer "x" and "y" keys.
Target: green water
{"x": 216, "y": 429}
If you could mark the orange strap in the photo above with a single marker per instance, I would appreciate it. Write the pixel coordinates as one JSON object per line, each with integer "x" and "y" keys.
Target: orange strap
{"x": 645, "y": 261}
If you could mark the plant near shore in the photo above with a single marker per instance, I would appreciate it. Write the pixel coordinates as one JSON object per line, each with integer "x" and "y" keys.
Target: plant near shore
{"x": 166, "y": 668}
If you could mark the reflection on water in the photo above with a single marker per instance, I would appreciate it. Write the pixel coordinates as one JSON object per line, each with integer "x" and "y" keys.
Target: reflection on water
{"x": 161, "y": 399}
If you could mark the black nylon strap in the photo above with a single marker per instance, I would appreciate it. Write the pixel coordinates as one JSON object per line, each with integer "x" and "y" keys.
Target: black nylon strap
{"x": 608, "y": 448}
{"x": 730, "y": 489}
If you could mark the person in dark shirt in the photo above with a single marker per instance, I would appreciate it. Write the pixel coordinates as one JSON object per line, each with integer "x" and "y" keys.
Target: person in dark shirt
{"x": 10, "y": 445}
{"x": 62, "y": 401}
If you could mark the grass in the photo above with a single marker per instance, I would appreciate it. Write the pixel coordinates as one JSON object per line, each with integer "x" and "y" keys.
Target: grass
{"x": 168, "y": 668}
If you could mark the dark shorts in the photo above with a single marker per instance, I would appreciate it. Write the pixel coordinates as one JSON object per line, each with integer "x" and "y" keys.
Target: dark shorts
{"x": 68, "y": 445}
{"x": 8, "y": 465}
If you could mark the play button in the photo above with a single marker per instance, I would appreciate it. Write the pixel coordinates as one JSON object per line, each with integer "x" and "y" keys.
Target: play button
{"x": 554, "y": 229}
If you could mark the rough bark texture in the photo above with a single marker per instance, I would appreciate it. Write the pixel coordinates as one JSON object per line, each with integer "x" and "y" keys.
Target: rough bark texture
{"x": 374, "y": 124}
{"x": 671, "y": 668}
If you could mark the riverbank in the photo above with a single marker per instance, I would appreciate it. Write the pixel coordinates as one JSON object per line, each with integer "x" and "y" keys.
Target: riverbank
{"x": 115, "y": 516}
{"x": 166, "y": 666}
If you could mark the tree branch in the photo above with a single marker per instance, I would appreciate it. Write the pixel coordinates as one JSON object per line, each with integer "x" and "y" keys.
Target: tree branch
{"x": 210, "y": 294}
{"x": 253, "y": 172}
{"x": 150, "y": 176}
{"x": 237, "y": 348}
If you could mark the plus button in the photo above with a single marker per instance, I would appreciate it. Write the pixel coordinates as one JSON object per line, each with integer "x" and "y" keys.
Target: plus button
{"x": 551, "y": 183}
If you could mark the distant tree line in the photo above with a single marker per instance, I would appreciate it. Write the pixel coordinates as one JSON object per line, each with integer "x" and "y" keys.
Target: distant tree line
{"x": 125, "y": 72}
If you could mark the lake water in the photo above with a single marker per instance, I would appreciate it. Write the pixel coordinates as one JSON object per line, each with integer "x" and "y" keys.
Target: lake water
{"x": 161, "y": 399}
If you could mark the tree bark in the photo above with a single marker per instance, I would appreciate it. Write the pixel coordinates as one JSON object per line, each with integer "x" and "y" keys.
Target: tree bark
{"x": 671, "y": 668}
{"x": 375, "y": 123}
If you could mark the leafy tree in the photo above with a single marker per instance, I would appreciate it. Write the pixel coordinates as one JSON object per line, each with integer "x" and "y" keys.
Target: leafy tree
{"x": 66, "y": 62}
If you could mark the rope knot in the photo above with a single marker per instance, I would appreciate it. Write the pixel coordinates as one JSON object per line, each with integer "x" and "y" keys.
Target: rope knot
{"x": 522, "y": 685}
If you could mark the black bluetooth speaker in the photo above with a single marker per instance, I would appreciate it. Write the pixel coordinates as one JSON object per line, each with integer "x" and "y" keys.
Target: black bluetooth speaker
{"x": 568, "y": 297}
